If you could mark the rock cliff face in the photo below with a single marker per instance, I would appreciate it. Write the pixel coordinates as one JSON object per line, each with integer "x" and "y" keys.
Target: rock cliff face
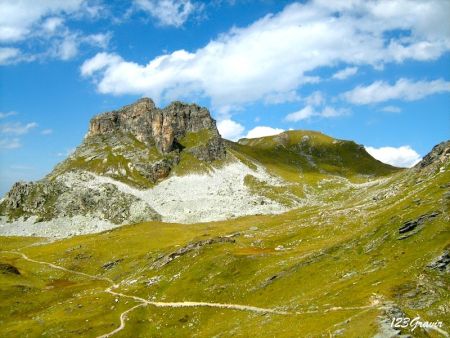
{"x": 138, "y": 144}
{"x": 438, "y": 155}
{"x": 161, "y": 127}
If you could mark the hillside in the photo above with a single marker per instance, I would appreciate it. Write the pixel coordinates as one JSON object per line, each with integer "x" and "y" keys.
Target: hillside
{"x": 340, "y": 270}
{"x": 297, "y": 234}
{"x": 141, "y": 163}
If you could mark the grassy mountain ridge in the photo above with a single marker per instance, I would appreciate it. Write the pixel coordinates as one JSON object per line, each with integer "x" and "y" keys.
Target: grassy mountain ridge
{"x": 311, "y": 151}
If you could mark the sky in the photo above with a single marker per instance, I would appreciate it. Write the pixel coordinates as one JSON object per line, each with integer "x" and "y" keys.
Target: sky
{"x": 375, "y": 72}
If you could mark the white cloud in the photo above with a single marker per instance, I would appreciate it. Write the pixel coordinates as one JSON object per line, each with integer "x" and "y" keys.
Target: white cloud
{"x": 229, "y": 129}
{"x": 67, "y": 44}
{"x": 5, "y": 115}
{"x": 309, "y": 111}
{"x": 271, "y": 58}
{"x": 99, "y": 62}
{"x": 52, "y": 24}
{"x": 234, "y": 131}
{"x": 345, "y": 73}
{"x": 403, "y": 89}
{"x": 8, "y": 143}
{"x": 42, "y": 25}
{"x": 8, "y": 55}
{"x": 47, "y": 131}
{"x": 19, "y": 17}
{"x": 403, "y": 156}
{"x": 100, "y": 39}
{"x": 391, "y": 109}
{"x": 301, "y": 114}
{"x": 68, "y": 48}
{"x": 315, "y": 99}
{"x": 169, "y": 12}
{"x": 17, "y": 128}
{"x": 261, "y": 131}
{"x": 276, "y": 98}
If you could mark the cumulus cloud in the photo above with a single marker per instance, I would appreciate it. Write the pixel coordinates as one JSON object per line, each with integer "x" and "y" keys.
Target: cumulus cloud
{"x": 169, "y": 12}
{"x": 274, "y": 56}
{"x": 309, "y": 111}
{"x": 229, "y": 129}
{"x": 45, "y": 20}
{"x": 403, "y": 89}
{"x": 345, "y": 73}
{"x": 403, "y": 156}
{"x": 20, "y": 18}
{"x": 261, "y": 131}
{"x": 234, "y": 131}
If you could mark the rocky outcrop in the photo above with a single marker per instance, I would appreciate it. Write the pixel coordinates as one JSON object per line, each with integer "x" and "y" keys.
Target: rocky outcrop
{"x": 68, "y": 196}
{"x": 442, "y": 262}
{"x": 411, "y": 227}
{"x": 163, "y": 128}
{"x": 166, "y": 259}
{"x": 156, "y": 171}
{"x": 209, "y": 151}
{"x": 438, "y": 155}
{"x": 6, "y": 268}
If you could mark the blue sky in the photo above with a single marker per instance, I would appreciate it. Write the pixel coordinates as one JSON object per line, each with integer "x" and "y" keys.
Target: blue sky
{"x": 376, "y": 72}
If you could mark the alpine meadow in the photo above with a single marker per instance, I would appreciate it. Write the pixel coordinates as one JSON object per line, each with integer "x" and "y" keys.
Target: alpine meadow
{"x": 184, "y": 168}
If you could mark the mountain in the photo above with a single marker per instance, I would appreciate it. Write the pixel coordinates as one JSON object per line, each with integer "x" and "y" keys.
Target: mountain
{"x": 142, "y": 163}
{"x": 293, "y": 235}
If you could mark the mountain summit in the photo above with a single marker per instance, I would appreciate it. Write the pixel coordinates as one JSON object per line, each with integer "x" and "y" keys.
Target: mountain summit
{"x": 163, "y": 128}
{"x": 142, "y": 163}
{"x": 139, "y": 145}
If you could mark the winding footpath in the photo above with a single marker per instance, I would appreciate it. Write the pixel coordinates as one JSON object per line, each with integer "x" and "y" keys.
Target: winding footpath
{"x": 142, "y": 302}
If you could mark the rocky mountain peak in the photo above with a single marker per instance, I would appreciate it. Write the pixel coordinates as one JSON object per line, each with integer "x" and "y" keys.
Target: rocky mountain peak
{"x": 153, "y": 126}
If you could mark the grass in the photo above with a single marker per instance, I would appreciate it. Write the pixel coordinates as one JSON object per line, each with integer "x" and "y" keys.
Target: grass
{"x": 327, "y": 263}
{"x": 295, "y": 155}
{"x": 343, "y": 255}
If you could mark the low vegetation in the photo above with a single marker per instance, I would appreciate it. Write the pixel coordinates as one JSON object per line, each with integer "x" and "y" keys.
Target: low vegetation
{"x": 339, "y": 267}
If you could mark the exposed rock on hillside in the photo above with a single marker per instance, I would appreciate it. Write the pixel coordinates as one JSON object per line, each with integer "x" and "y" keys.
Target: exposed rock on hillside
{"x": 6, "y": 268}
{"x": 438, "y": 155}
{"x": 64, "y": 197}
{"x": 166, "y": 259}
{"x": 140, "y": 144}
{"x": 141, "y": 163}
{"x": 441, "y": 263}
{"x": 161, "y": 127}
{"x": 127, "y": 150}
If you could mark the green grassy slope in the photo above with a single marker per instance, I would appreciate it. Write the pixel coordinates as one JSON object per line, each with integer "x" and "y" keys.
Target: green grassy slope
{"x": 293, "y": 154}
{"x": 335, "y": 267}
